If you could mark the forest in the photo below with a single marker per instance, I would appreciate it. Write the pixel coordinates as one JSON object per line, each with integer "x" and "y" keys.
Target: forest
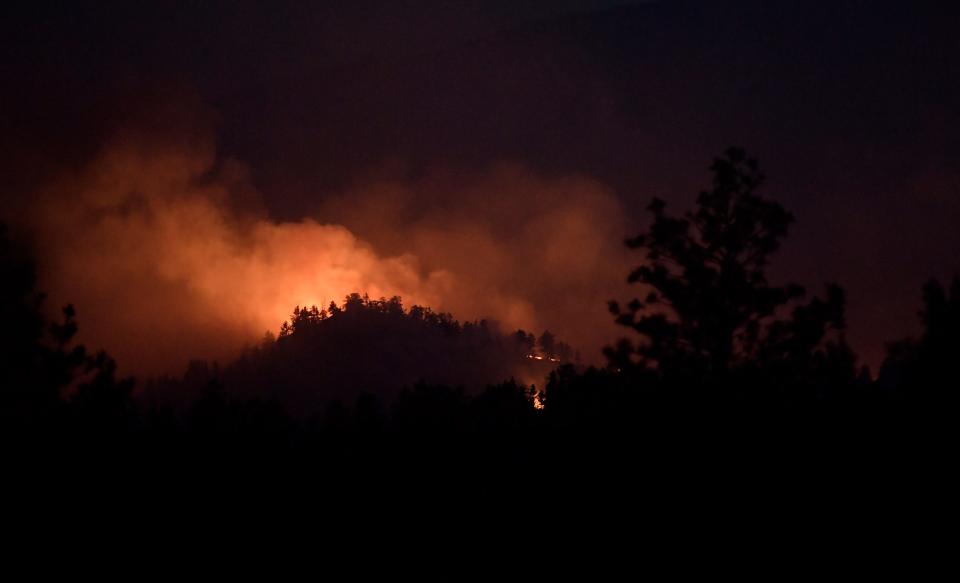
{"x": 715, "y": 363}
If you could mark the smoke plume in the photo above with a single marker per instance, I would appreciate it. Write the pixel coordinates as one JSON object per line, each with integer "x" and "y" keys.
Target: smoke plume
{"x": 160, "y": 243}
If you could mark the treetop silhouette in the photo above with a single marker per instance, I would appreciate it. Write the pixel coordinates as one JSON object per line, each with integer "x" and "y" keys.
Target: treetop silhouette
{"x": 708, "y": 305}
{"x": 924, "y": 369}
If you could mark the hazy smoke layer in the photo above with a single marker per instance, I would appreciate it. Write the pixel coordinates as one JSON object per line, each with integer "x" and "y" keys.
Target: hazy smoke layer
{"x": 156, "y": 244}
{"x": 530, "y": 251}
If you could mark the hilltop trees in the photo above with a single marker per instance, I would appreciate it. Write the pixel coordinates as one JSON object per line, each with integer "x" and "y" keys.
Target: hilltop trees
{"x": 708, "y": 308}
{"x": 376, "y": 346}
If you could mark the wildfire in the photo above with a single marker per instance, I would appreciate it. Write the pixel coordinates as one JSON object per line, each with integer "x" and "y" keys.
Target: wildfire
{"x": 537, "y": 401}
{"x": 539, "y": 357}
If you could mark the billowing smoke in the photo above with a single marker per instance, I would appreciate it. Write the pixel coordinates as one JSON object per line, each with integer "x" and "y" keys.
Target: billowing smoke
{"x": 529, "y": 251}
{"x": 159, "y": 244}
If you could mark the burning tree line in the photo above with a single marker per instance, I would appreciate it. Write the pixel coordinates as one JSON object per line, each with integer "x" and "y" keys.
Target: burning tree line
{"x": 545, "y": 347}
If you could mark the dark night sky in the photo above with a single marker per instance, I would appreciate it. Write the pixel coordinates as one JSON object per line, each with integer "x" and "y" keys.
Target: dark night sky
{"x": 852, "y": 108}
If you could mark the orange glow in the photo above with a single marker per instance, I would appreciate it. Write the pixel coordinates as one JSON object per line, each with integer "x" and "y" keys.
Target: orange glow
{"x": 164, "y": 264}
{"x": 537, "y": 401}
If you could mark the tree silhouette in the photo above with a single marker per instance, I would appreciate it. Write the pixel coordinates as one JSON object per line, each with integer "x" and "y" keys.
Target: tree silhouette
{"x": 548, "y": 344}
{"x": 924, "y": 370}
{"x": 708, "y": 306}
{"x": 46, "y": 378}
{"x": 37, "y": 358}
{"x": 525, "y": 342}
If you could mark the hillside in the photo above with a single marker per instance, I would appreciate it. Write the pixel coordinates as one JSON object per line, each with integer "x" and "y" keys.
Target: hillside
{"x": 378, "y": 347}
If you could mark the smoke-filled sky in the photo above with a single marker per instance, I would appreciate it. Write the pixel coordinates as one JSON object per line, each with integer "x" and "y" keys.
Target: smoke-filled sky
{"x": 190, "y": 171}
